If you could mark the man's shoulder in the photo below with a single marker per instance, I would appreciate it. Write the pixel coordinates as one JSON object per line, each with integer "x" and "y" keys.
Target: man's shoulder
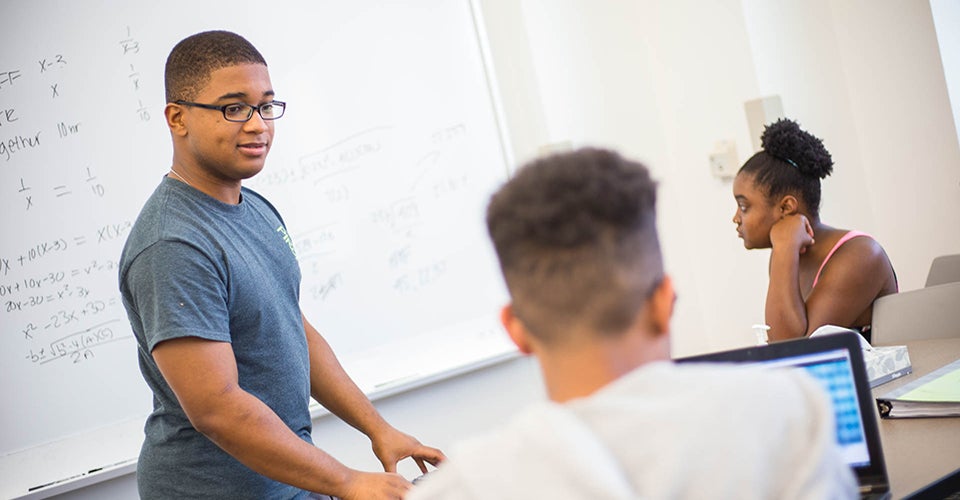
{"x": 260, "y": 202}
{"x": 471, "y": 470}
{"x": 706, "y": 375}
{"x": 162, "y": 210}
{"x": 522, "y": 459}
{"x": 754, "y": 381}
{"x": 167, "y": 218}
{"x": 669, "y": 386}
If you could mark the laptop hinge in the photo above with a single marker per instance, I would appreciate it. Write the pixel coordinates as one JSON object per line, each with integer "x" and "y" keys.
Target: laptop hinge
{"x": 868, "y": 488}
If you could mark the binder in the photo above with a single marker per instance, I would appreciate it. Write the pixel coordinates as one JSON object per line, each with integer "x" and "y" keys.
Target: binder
{"x": 936, "y": 394}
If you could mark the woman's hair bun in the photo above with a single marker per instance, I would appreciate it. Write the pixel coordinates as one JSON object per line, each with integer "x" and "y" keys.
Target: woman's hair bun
{"x": 785, "y": 140}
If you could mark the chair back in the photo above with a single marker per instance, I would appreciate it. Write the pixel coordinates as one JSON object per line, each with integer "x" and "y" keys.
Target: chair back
{"x": 944, "y": 269}
{"x": 931, "y": 312}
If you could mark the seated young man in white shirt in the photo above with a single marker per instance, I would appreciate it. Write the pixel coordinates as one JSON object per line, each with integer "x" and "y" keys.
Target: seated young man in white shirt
{"x": 576, "y": 237}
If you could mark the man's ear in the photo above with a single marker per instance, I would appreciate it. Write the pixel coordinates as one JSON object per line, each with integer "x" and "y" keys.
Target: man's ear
{"x": 789, "y": 205}
{"x": 175, "y": 119}
{"x": 661, "y": 304}
{"x": 515, "y": 329}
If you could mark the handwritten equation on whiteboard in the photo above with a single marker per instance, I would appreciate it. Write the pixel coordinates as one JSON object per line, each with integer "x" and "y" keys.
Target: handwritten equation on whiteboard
{"x": 59, "y": 300}
{"x": 58, "y": 307}
{"x": 388, "y": 217}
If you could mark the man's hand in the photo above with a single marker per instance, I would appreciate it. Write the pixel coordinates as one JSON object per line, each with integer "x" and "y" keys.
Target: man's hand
{"x": 391, "y": 446}
{"x": 375, "y": 485}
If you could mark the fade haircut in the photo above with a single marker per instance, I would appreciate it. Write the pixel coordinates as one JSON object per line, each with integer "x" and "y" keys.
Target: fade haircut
{"x": 576, "y": 237}
{"x": 191, "y": 61}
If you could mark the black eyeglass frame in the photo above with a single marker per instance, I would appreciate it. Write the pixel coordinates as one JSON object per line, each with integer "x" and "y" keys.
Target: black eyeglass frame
{"x": 250, "y": 109}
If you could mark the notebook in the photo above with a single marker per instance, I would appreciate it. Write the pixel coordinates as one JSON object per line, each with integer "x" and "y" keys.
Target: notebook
{"x": 836, "y": 361}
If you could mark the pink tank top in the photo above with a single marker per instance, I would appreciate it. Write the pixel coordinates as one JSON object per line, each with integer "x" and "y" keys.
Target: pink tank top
{"x": 843, "y": 239}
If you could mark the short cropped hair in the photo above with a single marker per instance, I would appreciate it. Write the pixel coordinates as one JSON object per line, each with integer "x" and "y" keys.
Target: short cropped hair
{"x": 192, "y": 61}
{"x": 575, "y": 234}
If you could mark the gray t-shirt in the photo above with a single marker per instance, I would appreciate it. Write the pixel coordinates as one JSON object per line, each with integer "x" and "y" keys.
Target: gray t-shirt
{"x": 195, "y": 267}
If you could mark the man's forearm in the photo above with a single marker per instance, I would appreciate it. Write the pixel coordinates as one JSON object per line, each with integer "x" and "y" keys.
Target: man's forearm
{"x": 252, "y": 433}
{"x": 332, "y": 387}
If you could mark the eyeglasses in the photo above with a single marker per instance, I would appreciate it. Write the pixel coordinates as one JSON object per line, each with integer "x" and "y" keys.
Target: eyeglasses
{"x": 241, "y": 112}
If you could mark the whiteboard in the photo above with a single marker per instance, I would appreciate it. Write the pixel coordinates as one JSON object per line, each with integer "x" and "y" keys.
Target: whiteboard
{"x": 381, "y": 168}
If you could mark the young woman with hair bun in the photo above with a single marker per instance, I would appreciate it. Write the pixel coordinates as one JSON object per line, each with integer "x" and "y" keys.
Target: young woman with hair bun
{"x": 819, "y": 275}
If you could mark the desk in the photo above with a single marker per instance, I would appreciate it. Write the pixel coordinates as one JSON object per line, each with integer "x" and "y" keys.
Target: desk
{"x": 918, "y": 451}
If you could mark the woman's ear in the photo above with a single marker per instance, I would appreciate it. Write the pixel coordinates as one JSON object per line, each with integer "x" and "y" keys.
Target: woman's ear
{"x": 789, "y": 205}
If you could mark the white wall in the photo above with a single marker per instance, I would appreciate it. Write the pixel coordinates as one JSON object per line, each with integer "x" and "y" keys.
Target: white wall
{"x": 946, "y": 18}
{"x": 663, "y": 81}
{"x": 867, "y": 78}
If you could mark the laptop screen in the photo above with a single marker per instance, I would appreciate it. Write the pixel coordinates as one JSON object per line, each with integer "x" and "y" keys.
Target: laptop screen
{"x": 836, "y": 361}
{"x": 834, "y": 371}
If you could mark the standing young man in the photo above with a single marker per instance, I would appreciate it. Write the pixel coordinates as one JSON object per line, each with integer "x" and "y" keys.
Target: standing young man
{"x": 577, "y": 241}
{"x": 211, "y": 285}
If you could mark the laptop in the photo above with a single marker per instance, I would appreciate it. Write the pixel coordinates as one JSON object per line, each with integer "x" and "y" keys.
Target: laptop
{"x": 836, "y": 361}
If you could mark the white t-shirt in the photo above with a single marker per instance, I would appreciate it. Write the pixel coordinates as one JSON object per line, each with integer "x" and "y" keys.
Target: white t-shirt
{"x": 662, "y": 431}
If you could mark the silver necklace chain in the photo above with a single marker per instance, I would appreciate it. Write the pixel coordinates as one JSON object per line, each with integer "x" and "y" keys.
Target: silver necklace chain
{"x": 174, "y": 172}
